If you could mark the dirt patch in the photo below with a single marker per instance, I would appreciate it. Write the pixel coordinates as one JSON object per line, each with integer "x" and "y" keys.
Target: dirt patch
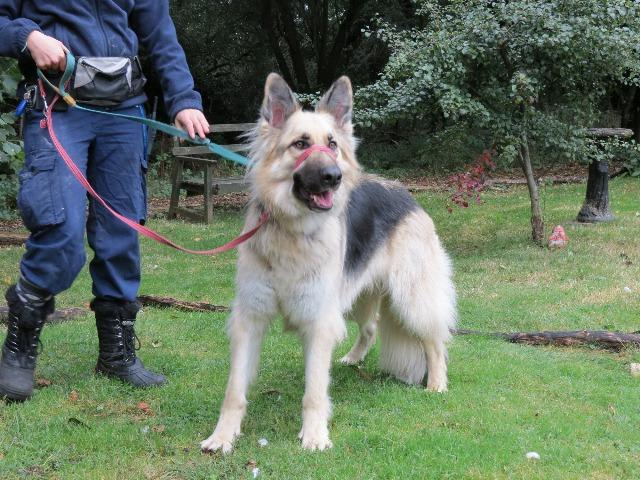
{"x": 12, "y": 225}
{"x": 158, "y": 207}
{"x": 569, "y": 173}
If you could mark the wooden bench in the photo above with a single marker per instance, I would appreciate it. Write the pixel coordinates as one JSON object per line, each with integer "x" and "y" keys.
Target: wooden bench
{"x": 200, "y": 158}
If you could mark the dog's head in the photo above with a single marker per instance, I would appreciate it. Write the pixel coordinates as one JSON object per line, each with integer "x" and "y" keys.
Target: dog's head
{"x": 304, "y": 161}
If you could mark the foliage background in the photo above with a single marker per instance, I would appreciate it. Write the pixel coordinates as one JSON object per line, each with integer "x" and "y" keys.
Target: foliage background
{"x": 437, "y": 81}
{"x": 11, "y": 154}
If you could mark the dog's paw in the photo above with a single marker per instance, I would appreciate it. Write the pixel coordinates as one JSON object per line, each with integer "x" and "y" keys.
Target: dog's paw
{"x": 349, "y": 359}
{"x": 317, "y": 440}
{"x": 219, "y": 441}
{"x": 437, "y": 386}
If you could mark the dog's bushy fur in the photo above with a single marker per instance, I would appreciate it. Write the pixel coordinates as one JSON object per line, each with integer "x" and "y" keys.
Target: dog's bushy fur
{"x": 335, "y": 245}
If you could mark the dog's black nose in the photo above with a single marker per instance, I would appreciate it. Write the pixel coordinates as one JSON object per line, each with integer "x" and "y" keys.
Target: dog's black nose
{"x": 331, "y": 176}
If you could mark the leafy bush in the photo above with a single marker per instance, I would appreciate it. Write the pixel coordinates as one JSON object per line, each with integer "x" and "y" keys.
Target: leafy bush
{"x": 11, "y": 154}
{"x": 405, "y": 151}
{"x": 508, "y": 67}
{"x": 627, "y": 152}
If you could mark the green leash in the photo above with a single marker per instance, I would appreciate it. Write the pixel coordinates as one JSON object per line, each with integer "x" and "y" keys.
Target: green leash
{"x": 163, "y": 127}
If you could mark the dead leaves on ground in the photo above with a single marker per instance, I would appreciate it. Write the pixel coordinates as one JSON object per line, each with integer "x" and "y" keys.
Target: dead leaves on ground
{"x": 42, "y": 382}
{"x": 145, "y": 408}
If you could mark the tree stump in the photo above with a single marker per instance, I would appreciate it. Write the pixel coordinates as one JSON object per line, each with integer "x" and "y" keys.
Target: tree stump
{"x": 596, "y": 203}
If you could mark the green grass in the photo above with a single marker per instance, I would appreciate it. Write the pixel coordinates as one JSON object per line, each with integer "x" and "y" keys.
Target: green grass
{"x": 578, "y": 408}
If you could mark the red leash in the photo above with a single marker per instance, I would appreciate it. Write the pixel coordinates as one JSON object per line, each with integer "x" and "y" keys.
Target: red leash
{"x": 147, "y": 232}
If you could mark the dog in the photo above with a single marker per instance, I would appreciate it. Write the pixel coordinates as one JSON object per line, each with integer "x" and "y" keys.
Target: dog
{"x": 338, "y": 243}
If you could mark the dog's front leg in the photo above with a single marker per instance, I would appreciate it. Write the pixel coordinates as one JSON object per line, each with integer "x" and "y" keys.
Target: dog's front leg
{"x": 246, "y": 339}
{"x": 316, "y": 405}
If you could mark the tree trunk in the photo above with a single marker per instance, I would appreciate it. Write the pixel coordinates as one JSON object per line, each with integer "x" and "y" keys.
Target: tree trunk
{"x": 537, "y": 222}
{"x": 348, "y": 32}
{"x": 293, "y": 42}
{"x": 269, "y": 26}
{"x": 596, "y": 203}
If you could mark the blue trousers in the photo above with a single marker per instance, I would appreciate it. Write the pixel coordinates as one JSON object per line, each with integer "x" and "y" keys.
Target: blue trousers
{"x": 53, "y": 204}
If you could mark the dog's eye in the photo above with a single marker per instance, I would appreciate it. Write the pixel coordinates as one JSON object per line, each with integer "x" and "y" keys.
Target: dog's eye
{"x": 300, "y": 144}
{"x": 333, "y": 144}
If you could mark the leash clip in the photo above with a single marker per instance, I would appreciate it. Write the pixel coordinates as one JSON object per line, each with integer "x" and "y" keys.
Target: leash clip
{"x": 27, "y": 101}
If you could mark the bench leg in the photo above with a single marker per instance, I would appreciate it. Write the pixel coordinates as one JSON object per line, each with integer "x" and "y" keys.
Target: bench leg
{"x": 208, "y": 194}
{"x": 176, "y": 179}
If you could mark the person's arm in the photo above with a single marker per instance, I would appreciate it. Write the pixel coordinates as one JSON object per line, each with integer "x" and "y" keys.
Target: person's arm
{"x": 21, "y": 36}
{"x": 157, "y": 34}
{"x": 13, "y": 29}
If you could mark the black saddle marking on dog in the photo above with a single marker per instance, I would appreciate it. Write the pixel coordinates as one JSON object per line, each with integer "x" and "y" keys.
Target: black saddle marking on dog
{"x": 374, "y": 210}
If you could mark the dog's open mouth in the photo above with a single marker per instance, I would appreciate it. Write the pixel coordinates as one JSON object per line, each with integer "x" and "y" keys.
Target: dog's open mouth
{"x": 315, "y": 200}
{"x": 323, "y": 201}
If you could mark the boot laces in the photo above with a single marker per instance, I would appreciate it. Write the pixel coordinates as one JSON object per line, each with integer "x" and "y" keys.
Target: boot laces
{"x": 131, "y": 342}
{"x": 29, "y": 342}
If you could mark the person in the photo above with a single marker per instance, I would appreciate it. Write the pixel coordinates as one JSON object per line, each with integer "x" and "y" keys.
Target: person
{"x": 104, "y": 36}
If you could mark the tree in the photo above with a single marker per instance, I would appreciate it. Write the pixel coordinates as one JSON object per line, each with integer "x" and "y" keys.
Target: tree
{"x": 232, "y": 46}
{"x": 529, "y": 73}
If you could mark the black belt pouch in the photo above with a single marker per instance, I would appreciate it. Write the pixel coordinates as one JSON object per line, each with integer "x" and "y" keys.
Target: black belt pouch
{"x": 107, "y": 81}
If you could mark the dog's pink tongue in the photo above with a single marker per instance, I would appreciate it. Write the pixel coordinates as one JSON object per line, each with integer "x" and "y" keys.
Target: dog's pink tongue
{"x": 324, "y": 199}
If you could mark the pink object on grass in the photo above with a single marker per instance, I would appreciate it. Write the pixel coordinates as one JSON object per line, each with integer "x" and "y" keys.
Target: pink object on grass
{"x": 558, "y": 238}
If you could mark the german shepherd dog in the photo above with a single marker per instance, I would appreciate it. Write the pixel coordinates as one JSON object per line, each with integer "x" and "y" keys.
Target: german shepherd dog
{"x": 337, "y": 242}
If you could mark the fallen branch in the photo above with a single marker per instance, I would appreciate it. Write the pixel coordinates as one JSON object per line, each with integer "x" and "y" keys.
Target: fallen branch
{"x": 62, "y": 315}
{"x": 66, "y": 314}
{"x": 152, "y": 301}
{"x": 609, "y": 340}
{"x": 12, "y": 239}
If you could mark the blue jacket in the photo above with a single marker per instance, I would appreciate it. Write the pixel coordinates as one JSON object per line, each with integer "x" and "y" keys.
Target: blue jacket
{"x": 104, "y": 28}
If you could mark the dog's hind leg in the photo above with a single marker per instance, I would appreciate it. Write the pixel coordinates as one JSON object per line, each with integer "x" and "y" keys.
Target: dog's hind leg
{"x": 436, "y": 352}
{"x": 365, "y": 314}
{"x": 246, "y": 336}
{"x": 421, "y": 305}
{"x": 409, "y": 349}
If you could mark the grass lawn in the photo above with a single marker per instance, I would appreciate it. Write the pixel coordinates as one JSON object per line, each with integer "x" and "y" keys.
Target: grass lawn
{"x": 579, "y": 408}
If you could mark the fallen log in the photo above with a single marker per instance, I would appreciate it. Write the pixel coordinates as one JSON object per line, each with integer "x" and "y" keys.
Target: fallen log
{"x": 12, "y": 239}
{"x": 168, "y": 302}
{"x": 62, "y": 315}
{"x": 66, "y": 314}
{"x": 600, "y": 338}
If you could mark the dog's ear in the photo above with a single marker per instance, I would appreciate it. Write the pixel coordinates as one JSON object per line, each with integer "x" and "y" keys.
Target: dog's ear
{"x": 279, "y": 102}
{"x": 338, "y": 101}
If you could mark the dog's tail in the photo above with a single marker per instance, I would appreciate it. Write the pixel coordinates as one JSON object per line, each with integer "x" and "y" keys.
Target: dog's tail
{"x": 401, "y": 354}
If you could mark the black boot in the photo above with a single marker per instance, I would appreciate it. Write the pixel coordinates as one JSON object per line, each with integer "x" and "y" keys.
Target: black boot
{"x": 27, "y": 314}
{"x": 117, "y": 357}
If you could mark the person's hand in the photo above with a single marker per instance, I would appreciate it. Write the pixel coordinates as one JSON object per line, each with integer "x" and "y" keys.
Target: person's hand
{"x": 192, "y": 121}
{"x": 48, "y": 53}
